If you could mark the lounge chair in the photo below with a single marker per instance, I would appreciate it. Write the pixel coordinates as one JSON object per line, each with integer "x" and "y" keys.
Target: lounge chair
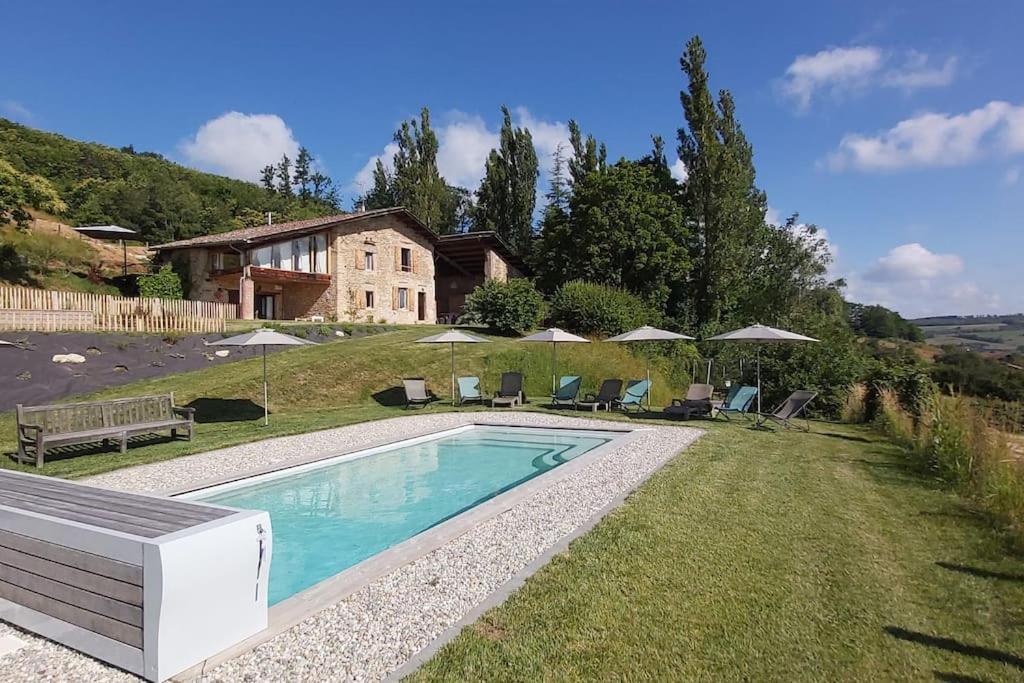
{"x": 737, "y": 402}
{"x": 729, "y": 396}
{"x": 789, "y": 410}
{"x": 636, "y": 389}
{"x": 568, "y": 390}
{"x": 511, "y": 392}
{"x": 469, "y": 390}
{"x": 606, "y": 396}
{"x": 416, "y": 393}
{"x": 696, "y": 403}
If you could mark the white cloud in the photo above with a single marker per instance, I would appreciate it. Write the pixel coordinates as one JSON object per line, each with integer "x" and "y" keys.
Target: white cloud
{"x": 1011, "y": 176}
{"x": 772, "y": 216}
{"x": 919, "y": 298}
{"x": 841, "y": 70}
{"x": 465, "y": 141}
{"x": 834, "y": 69}
{"x": 935, "y": 140}
{"x": 16, "y": 111}
{"x": 239, "y": 145}
{"x": 909, "y": 262}
{"x": 679, "y": 171}
{"x": 917, "y": 71}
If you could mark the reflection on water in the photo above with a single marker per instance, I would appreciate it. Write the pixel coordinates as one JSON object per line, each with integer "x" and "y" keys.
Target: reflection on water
{"x": 328, "y": 519}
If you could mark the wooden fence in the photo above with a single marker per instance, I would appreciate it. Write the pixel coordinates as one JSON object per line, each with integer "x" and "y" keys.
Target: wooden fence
{"x": 43, "y": 310}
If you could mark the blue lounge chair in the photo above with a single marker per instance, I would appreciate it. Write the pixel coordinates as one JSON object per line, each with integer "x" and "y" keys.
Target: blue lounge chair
{"x": 737, "y": 402}
{"x": 469, "y": 390}
{"x": 568, "y": 390}
{"x": 636, "y": 389}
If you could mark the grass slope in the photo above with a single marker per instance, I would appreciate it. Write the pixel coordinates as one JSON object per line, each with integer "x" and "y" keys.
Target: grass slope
{"x": 324, "y": 386}
{"x": 765, "y": 557}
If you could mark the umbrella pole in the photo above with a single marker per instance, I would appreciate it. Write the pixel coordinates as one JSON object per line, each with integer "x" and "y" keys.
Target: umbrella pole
{"x": 453, "y": 373}
{"x": 649, "y": 385}
{"x": 760, "y": 419}
{"x": 266, "y": 410}
{"x": 554, "y": 361}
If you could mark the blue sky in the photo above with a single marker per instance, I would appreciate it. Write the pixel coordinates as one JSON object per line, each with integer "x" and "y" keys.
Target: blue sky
{"x": 898, "y": 128}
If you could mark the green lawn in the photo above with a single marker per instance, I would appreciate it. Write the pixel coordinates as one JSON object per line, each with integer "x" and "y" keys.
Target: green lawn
{"x": 752, "y": 556}
{"x": 765, "y": 557}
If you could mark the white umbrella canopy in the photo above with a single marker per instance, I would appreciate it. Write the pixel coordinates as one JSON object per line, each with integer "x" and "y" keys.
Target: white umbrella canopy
{"x": 554, "y": 336}
{"x": 452, "y": 337}
{"x": 647, "y": 333}
{"x": 263, "y": 337}
{"x": 761, "y": 334}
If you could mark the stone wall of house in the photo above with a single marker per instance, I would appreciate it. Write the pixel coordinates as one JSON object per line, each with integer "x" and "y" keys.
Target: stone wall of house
{"x": 384, "y": 237}
{"x": 203, "y": 287}
{"x": 303, "y": 300}
{"x": 497, "y": 268}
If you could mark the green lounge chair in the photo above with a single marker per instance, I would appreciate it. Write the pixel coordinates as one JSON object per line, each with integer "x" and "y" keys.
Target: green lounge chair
{"x": 469, "y": 390}
{"x": 416, "y": 393}
{"x": 636, "y": 389}
{"x": 789, "y": 410}
{"x": 568, "y": 390}
{"x": 606, "y": 396}
{"x": 737, "y": 402}
{"x": 697, "y": 402}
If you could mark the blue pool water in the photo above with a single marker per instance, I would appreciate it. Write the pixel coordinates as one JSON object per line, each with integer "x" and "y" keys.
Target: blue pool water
{"x": 332, "y": 516}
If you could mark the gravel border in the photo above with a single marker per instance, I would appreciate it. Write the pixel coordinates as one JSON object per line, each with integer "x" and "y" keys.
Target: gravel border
{"x": 380, "y": 628}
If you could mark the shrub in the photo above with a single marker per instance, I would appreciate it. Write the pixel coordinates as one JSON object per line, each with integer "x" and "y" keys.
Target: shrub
{"x": 163, "y": 284}
{"x": 598, "y": 310}
{"x": 506, "y": 307}
{"x": 854, "y": 407}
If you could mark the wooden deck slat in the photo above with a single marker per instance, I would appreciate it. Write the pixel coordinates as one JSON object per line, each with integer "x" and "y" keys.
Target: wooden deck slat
{"x": 85, "y": 518}
{"x": 62, "y": 592}
{"x": 97, "y": 623}
{"x": 141, "y": 508}
{"x": 94, "y": 583}
{"x": 95, "y": 516}
{"x": 71, "y": 491}
{"x": 94, "y": 564}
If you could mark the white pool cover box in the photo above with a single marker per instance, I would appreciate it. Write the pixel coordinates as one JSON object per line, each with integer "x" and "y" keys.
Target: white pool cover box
{"x": 149, "y": 584}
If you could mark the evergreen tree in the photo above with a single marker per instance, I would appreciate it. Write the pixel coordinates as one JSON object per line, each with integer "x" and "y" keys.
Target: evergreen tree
{"x": 303, "y": 172}
{"x": 267, "y": 174}
{"x": 558, "y": 186}
{"x": 284, "y": 176}
{"x": 508, "y": 192}
{"x": 382, "y": 194}
{"x": 721, "y": 200}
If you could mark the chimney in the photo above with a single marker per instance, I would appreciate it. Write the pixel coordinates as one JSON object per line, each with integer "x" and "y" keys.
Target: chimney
{"x": 361, "y": 207}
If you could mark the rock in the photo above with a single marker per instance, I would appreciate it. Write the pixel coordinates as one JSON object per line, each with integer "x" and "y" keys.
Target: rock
{"x": 176, "y": 355}
{"x": 339, "y": 333}
{"x": 158, "y": 364}
{"x": 223, "y": 353}
{"x": 68, "y": 358}
{"x": 208, "y": 356}
{"x": 120, "y": 368}
{"x": 93, "y": 351}
{"x": 24, "y": 375}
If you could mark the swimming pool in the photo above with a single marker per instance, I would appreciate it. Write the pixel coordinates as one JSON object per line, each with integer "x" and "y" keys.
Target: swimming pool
{"x": 330, "y": 515}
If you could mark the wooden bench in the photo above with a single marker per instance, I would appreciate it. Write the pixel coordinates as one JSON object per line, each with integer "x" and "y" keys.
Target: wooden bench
{"x": 42, "y": 427}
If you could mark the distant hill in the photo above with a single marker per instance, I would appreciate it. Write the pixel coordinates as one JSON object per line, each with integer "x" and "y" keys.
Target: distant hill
{"x": 991, "y": 334}
{"x": 143, "y": 191}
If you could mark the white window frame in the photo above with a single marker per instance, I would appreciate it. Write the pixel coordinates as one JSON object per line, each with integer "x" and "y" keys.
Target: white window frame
{"x": 369, "y": 299}
{"x": 369, "y": 261}
{"x": 401, "y": 259}
{"x": 403, "y": 292}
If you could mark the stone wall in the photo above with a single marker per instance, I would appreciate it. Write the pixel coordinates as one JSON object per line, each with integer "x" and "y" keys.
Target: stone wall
{"x": 384, "y": 237}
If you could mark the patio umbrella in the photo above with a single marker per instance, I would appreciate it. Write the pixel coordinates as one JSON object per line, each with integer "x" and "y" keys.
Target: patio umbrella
{"x": 761, "y": 334}
{"x": 554, "y": 336}
{"x": 451, "y": 337}
{"x": 263, "y": 337}
{"x": 647, "y": 333}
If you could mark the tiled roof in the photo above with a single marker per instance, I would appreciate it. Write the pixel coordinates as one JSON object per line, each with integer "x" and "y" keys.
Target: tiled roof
{"x": 262, "y": 233}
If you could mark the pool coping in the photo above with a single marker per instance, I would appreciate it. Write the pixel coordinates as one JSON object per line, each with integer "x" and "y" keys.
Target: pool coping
{"x": 295, "y": 609}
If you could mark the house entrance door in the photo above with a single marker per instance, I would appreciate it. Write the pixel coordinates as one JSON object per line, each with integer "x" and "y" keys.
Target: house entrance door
{"x": 265, "y": 306}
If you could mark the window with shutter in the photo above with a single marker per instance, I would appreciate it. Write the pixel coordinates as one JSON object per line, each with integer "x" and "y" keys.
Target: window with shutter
{"x": 359, "y": 259}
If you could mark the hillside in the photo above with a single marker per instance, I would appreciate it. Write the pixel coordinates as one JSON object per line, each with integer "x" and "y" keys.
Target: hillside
{"x": 143, "y": 191}
{"x": 992, "y": 334}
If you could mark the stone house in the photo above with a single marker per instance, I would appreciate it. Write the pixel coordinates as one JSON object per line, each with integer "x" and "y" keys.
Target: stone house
{"x": 367, "y": 266}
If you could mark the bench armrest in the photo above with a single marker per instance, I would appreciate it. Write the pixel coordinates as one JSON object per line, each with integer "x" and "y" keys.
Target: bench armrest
{"x": 24, "y": 431}
{"x": 189, "y": 413}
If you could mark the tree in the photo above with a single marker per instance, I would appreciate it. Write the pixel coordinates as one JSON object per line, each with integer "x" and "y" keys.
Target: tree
{"x": 163, "y": 284}
{"x": 588, "y": 156}
{"x": 418, "y": 186}
{"x": 303, "y": 173}
{"x": 559, "y": 192}
{"x": 624, "y": 230}
{"x": 19, "y": 191}
{"x": 267, "y": 174}
{"x": 382, "y": 194}
{"x": 284, "y": 176}
{"x": 508, "y": 192}
{"x": 724, "y": 206}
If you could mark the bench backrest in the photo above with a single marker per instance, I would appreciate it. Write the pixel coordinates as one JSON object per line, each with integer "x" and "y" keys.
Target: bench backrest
{"x": 67, "y": 418}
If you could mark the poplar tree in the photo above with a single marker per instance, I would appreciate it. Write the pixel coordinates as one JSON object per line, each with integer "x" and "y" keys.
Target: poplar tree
{"x": 284, "y": 176}
{"x": 418, "y": 186}
{"x": 508, "y": 192}
{"x": 724, "y": 206}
